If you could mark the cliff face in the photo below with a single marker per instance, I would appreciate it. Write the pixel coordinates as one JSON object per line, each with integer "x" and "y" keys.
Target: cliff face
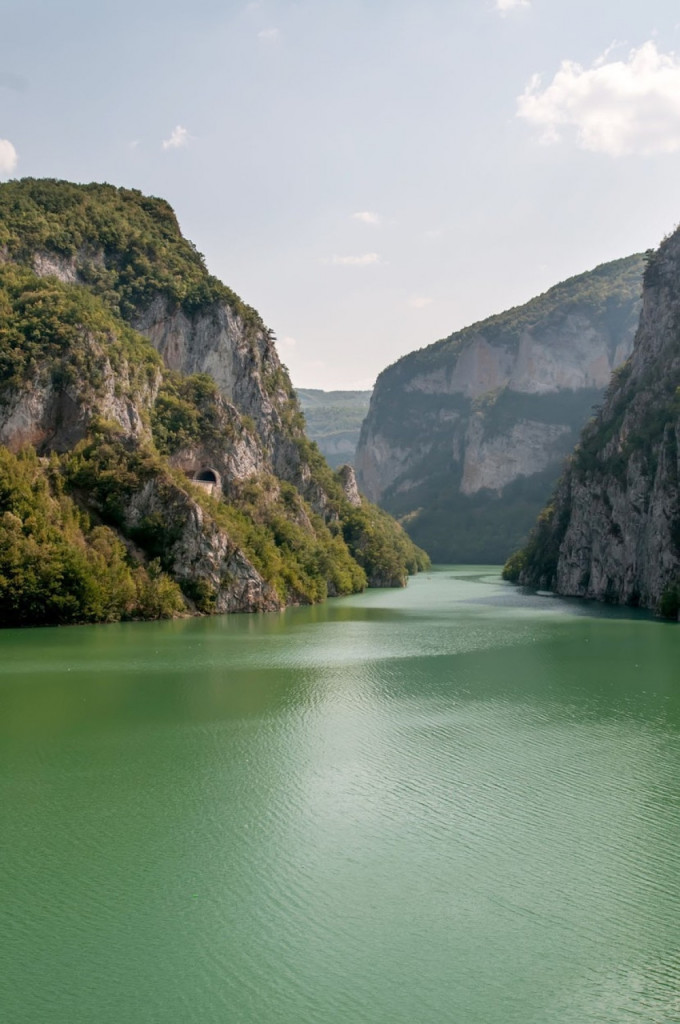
{"x": 464, "y": 439}
{"x": 154, "y": 402}
{"x": 612, "y": 531}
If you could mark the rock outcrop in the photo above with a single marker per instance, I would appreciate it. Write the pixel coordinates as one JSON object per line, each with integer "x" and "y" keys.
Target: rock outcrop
{"x": 612, "y": 530}
{"x": 464, "y": 439}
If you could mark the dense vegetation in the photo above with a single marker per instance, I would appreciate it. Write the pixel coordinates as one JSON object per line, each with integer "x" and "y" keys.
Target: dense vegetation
{"x": 190, "y": 412}
{"x": 56, "y": 566}
{"x": 129, "y": 245}
{"x": 50, "y": 329}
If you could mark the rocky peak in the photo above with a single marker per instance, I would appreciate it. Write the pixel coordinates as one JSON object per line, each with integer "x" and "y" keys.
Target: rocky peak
{"x": 349, "y": 485}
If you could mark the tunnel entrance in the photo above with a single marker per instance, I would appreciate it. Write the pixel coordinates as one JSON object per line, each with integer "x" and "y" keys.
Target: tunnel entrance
{"x": 206, "y": 476}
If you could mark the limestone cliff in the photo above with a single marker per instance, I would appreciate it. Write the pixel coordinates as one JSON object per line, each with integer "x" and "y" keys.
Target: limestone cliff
{"x": 153, "y": 401}
{"x": 612, "y": 531}
{"x": 465, "y": 438}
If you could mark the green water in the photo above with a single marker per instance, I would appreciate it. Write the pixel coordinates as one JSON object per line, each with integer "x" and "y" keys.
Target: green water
{"x": 454, "y": 803}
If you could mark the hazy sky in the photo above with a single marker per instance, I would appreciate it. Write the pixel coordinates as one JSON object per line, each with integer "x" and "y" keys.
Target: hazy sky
{"x": 369, "y": 175}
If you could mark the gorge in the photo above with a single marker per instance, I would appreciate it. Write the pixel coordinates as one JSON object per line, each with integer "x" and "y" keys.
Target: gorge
{"x": 465, "y": 438}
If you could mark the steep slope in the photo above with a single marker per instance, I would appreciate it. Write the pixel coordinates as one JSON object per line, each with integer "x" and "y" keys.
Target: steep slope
{"x": 465, "y": 438}
{"x": 141, "y": 395}
{"x": 333, "y": 419}
{"x": 612, "y": 530}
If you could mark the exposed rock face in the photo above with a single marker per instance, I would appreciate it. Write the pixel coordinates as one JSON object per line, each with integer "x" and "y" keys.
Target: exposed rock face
{"x": 201, "y": 552}
{"x": 214, "y": 341}
{"x": 349, "y": 485}
{"x": 612, "y": 531}
{"x": 54, "y": 414}
{"x": 465, "y": 438}
{"x": 492, "y": 463}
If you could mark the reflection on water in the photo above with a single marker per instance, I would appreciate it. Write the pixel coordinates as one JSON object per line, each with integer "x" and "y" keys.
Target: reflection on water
{"x": 457, "y": 802}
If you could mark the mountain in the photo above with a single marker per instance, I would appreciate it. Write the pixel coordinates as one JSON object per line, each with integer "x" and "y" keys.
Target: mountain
{"x": 465, "y": 438}
{"x": 333, "y": 419}
{"x": 154, "y": 455}
{"x": 612, "y": 529}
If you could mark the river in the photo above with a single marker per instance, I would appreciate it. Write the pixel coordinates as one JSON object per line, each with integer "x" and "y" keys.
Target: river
{"x": 452, "y": 803}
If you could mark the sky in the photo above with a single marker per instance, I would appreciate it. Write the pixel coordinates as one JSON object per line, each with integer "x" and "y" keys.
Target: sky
{"x": 370, "y": 175}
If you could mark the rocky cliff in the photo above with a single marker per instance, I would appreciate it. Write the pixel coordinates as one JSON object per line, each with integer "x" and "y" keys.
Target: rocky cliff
{"x": 612, "y": 530}
{"x": 464, "y": 439}
{"x": 145, "y": 406}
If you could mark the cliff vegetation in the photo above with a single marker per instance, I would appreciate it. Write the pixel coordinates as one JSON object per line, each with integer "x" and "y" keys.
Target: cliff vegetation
{"x": 131, "y": 487}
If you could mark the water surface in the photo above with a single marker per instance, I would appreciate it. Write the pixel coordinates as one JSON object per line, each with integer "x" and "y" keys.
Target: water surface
{"x": 453, "y": 803}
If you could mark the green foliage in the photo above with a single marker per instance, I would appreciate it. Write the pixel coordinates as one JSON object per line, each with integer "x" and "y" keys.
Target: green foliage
{"x": 56, "y": 567}
{"x": 51, "y": 329}
{"x": 536, "y": 562}
{"x": 189, "y": 412}
{"x": 380, "y": 546}
{"x": 129, "y": 246}
{"x": 515, "y": 566}
{"x": 645, "y": 431}
{"x": 290, "y": 546}
{"x": 109, "y": 468}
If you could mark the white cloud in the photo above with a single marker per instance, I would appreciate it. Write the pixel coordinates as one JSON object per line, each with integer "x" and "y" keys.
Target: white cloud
{"x": 366, "y": 260}
{"x": 618, "y": 107}
{"x": 287, "y": 342}
{"x": 179, "y": 137}
{"x": 268, "y": 33}
{"x": 511, "y": 5}
{"x": 8, "y": 157}
{"x": 367, "y": 217}
{"x": 419, "y": 301}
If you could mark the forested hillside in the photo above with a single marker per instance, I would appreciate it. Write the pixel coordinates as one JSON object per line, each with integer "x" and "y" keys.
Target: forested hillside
{"x": 154, "y": 456}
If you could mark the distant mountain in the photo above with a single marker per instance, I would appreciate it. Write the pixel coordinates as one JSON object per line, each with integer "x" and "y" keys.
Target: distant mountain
{"x": 465, "y": 439}
{"x": 334, "y": 421}
{"x": 612, "y": 528}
